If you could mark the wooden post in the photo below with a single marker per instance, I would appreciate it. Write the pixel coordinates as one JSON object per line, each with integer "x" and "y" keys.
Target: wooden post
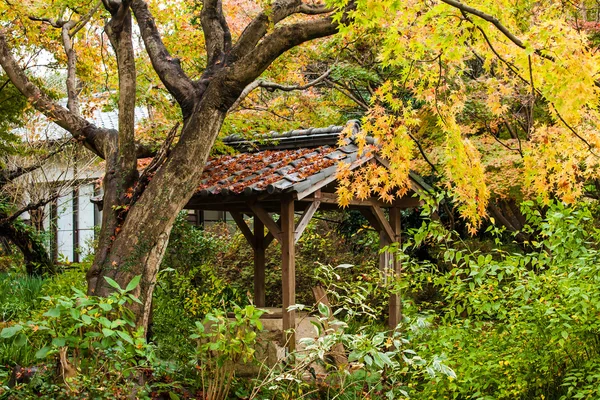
{"x": 259, "y": 263}
{"x": 395, "y": 299}
{"x": 384, "y": 257}
{"x": 288, "y": 268}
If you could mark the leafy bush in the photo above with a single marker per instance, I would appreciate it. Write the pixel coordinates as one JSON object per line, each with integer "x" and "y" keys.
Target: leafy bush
{"x": 18, "y": 295}
{"x": 515, "y": 325}
{"x": 92, "y": 340}
{"x": 222, "y": 345}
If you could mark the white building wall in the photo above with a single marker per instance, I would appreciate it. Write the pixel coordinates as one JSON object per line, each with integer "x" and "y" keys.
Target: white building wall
{"x": 64, "y": 227}
{"x": 86, "y": 220}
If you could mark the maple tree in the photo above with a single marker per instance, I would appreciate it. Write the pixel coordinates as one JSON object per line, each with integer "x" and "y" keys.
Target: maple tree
{"x": 522, "y": 74}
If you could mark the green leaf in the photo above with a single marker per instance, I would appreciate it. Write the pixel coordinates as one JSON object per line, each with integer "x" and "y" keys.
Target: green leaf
{"x": 20, "y": 340}
{"x": 173, "y": 396}
{"x": 323, "y": 310}
{"x": 74, "y": 313}
{"x": 53, "y": 312}
{"x": 105, "y": 322}
{"x": 86, "y": 319}
{"x": 10, "y": 331}
{"x": 125, "y": 336}
{"x": 105, "y": 306}
{"x": 43, "y": 352}
{"x": 113, "y": 283}
{"x": 133, "y": 284}
{"x": 108, "y": 332}
{"x": 58, "y": 342}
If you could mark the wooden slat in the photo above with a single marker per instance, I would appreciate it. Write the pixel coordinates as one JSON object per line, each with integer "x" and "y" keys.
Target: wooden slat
{"x": 259, "y": 263}
{"x": 383, "y": 222}
{"x": 395, "y": 306}
{"x": 288, "y": 269}
{"x": 305, "y": 219}
{"x": 241, "y": 223}
{"x": 267, "y": 220}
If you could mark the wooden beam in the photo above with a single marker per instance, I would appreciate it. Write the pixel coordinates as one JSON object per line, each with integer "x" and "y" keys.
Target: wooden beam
{"x": 267, "y": 220}
{"x": 305, "y": 219}
{"x": 241, "y": 223}
{"x": 368, "y": 214}
{"x": 288, "y": 268}
{"x": 395, "y": 299}
{"x": 259, "y": 263}
{"x": 268, "y": 239}
{"x": 403, "y": 202}
{"x": 383, "y": 222}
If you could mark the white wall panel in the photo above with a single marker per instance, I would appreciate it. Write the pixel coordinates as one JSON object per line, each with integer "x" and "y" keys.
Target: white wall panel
{"x": 85, "y": 219}
{"x": 64, "y": 224}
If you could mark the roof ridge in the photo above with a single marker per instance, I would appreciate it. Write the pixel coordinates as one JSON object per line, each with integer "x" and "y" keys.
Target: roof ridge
{"x": 291, "y": 139}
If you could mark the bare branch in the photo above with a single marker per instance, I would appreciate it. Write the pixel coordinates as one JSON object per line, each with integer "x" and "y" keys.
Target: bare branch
{"x": 7, "y": 176}
{"x": 272, "y": 86}
{"x": 494, "y": 21}
{"x": 28, "y": 207}
{"x": 50, "y": 21}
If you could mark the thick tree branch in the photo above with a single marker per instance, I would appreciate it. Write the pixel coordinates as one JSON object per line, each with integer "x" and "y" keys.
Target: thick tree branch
{"x": 278, "y": 42}
{"x": 119, "y": 30}
{"x": 168, "y": 68}
{"x": 216, "y": 32}
{"x": 257, "y": 29}
{"x": 272, "y": 86}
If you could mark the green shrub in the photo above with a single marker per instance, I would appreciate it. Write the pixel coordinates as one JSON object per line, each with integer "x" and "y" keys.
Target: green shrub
{"x": 19, "y": 295}
{"x": 515, "y": 325}
{"x": 92, "y": 340}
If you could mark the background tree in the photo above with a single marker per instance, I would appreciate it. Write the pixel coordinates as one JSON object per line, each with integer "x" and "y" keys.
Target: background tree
{"x": 139, "y": 213}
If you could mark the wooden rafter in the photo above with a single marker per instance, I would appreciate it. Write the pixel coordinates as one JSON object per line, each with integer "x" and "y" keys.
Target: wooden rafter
{"x": 266, "y": 219}
{"x": 305, "y": 219}
{"x": 383, "y": 223}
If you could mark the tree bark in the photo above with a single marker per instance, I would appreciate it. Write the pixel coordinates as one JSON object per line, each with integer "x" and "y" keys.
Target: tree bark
{"x": 36, "y": 258}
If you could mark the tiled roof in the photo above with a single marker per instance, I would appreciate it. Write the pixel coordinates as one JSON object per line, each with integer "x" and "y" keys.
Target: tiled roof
{"x": 287, "y": 162}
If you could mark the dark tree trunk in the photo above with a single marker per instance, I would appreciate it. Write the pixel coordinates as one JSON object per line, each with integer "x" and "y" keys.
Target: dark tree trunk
{"x": 35, "y": 255}
{"x": 139, "y": 247}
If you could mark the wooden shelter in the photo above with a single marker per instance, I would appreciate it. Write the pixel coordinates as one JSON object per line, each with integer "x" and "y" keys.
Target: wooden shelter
{"x": 288, "y": 173}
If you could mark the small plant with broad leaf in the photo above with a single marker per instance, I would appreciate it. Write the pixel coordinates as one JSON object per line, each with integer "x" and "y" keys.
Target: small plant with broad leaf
{"x": 222, "y": 344}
